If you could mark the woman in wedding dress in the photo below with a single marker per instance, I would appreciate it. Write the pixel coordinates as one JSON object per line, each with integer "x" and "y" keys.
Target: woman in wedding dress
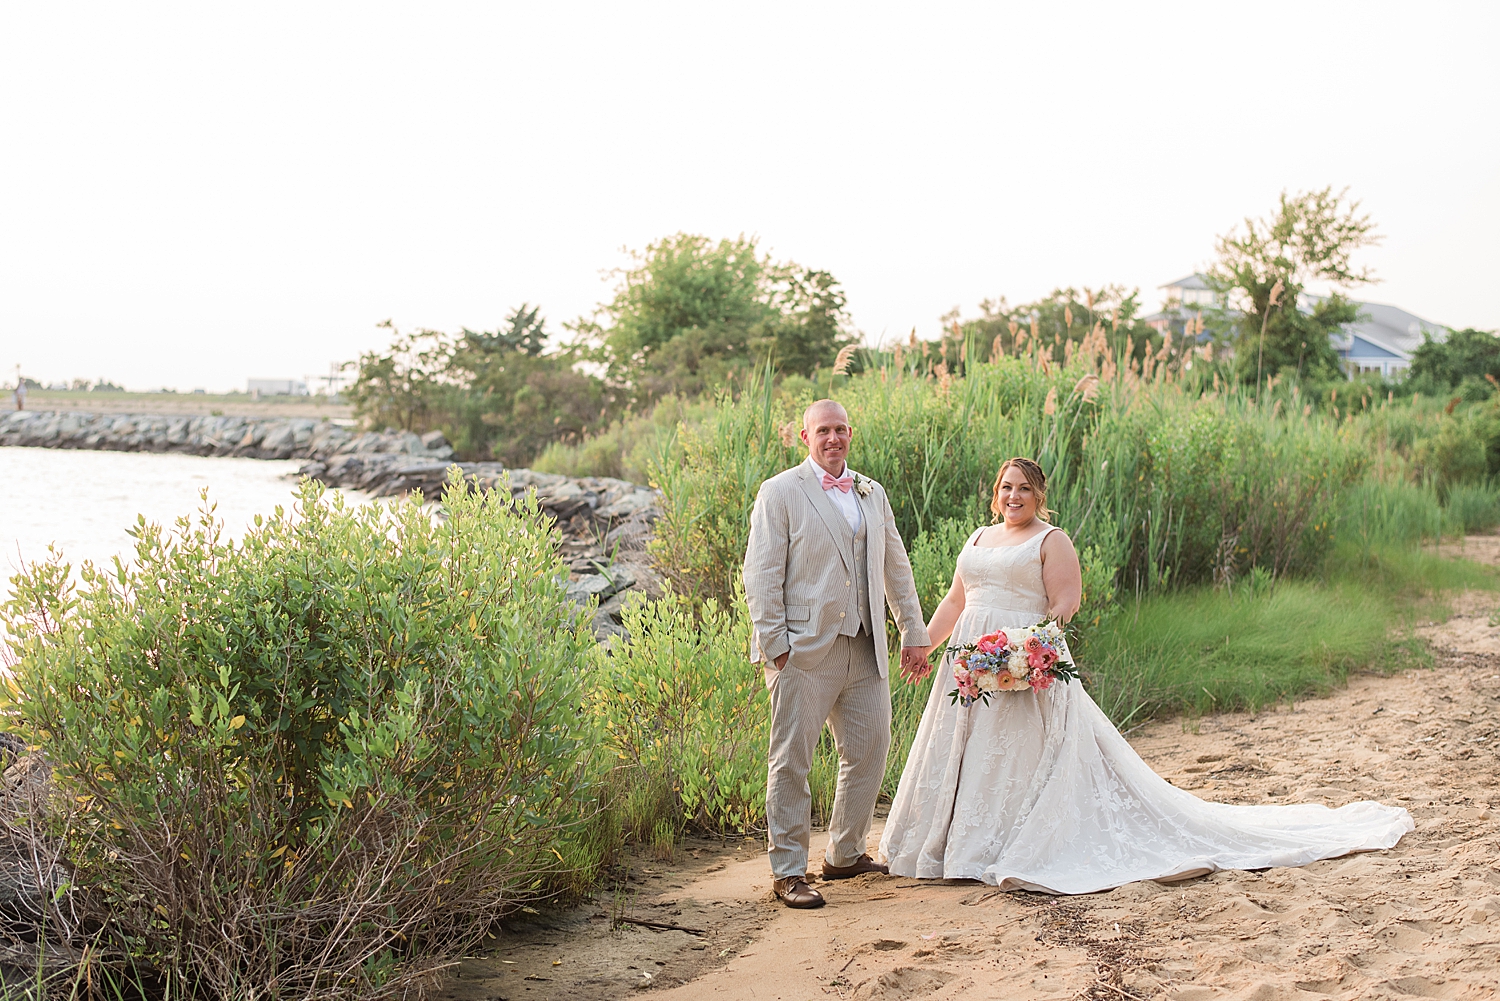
{"x": 1038, "y": 790}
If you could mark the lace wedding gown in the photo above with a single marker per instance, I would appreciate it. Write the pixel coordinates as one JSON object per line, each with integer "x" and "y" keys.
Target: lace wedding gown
{"x": 1038, "y": 791}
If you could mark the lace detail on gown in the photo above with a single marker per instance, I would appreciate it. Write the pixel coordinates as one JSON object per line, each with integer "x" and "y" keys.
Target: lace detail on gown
{"x": 1039, "y": 791}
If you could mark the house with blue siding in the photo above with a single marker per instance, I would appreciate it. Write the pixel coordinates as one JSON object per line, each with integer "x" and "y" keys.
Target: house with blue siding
{"x": 1380, "y": 342}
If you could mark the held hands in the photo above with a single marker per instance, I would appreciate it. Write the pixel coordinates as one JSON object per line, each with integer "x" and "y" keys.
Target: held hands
{"x": 914, "y": 664}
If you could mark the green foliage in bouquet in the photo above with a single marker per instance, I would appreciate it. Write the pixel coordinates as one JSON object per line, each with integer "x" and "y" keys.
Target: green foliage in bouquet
{"x": 318, "y": 762}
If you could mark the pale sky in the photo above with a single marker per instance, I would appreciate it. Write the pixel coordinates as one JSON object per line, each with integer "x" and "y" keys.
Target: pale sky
{"x": 194, "y": 194}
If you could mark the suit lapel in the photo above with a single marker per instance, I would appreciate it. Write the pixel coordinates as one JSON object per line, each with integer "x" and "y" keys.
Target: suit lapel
{"x": 832, "y": 519}
{"x": 874, "y": 548}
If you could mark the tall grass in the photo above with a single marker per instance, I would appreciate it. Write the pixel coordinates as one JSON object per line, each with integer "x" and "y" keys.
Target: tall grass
{"x": 1157, "y": 483}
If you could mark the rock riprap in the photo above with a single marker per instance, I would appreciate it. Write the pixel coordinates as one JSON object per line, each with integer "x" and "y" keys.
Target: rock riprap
{"x": 253, "y": 437}
{"x": 603, "y": 524}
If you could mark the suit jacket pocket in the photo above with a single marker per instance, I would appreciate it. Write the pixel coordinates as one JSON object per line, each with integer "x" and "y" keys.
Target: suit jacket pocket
{"x": 798, "y": 613}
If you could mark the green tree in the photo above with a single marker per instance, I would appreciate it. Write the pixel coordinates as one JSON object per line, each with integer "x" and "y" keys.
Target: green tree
{"x": 495, "y": 394}
{"x": 1464, "y": 357}
{"x": 399, "y": 387}
{"x": 514, "y": 398}
{"x": 1263, "y": 268}
{"x": 691, "y": 312}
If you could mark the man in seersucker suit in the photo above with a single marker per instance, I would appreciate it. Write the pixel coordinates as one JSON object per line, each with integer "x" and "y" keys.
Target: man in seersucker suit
{"x": 824, "y": 558}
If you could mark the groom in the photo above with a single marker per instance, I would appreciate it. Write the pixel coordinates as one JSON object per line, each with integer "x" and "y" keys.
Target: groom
{"x": 824, "y": 557}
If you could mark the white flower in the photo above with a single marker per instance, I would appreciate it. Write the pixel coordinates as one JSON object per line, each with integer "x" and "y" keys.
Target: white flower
{"x": 987, "y": 682}
{"x": 862, "y": 485}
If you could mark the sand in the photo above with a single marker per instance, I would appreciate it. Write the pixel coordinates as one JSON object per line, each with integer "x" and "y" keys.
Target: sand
{"x": 1422, "y": 919}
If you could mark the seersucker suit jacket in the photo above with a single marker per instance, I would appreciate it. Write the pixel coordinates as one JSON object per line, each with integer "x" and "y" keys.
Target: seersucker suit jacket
{"x": 799, "y": 566}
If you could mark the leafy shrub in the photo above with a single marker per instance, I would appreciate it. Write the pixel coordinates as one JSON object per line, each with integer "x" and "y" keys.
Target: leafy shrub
{"x": 933, "y": 556}
{"x": 494, "y": 394}
{"x": 686, "y": 716}
{"x": 1157, "y": 483}
{"x": 1453, "y": 455}
{"x": 320, "y": 762}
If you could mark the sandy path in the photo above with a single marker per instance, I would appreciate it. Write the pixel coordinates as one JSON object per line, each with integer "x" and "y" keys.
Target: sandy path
{"x": 1420, "y": 920}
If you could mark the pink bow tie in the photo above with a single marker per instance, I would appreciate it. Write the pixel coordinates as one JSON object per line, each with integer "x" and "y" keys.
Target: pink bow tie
{"x": 844, "y": 482}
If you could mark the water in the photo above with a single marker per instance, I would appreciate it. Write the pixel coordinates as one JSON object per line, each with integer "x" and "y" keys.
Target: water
{"x": 83, "y": 502}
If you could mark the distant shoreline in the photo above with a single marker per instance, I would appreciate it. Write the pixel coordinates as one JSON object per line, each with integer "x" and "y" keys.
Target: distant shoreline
{"x": 256, "y": 437}
{"x": 179, "y": 404}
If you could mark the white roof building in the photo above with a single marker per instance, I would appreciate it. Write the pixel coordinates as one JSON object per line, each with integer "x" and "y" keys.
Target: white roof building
{"x": 1380, "y": 342}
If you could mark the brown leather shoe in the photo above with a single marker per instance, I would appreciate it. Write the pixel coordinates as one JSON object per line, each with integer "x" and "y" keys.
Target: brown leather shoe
{"x": 794, "y": 892}
{"x": 861, "y": 865}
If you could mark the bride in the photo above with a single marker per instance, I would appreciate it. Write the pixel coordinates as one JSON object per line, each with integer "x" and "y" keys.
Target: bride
{"x": 1038, "y": 790}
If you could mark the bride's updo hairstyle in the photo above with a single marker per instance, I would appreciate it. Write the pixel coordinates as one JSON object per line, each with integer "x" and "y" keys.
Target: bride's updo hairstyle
{"x": 1034, "y": 476}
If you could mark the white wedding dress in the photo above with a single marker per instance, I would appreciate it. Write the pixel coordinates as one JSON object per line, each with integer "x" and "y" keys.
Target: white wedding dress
{"x": 1039, "y": 791}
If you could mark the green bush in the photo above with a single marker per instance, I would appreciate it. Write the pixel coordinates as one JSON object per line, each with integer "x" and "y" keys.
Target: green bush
{"x": 320, "y": 762}
{"x": 686, "y": 717}
{"x": 933, "y": 556}
{"x": 709, "y": 475}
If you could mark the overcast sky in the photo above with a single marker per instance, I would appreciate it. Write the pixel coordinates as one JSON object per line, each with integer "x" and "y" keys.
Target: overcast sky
{"x": 195, "y": 194}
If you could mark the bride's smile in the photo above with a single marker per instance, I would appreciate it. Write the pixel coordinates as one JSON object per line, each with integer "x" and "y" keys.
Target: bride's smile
{"x": 1017, "y": 498}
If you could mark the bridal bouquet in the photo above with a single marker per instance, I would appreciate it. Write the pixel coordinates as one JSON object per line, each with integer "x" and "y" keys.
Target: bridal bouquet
{"x": 1011, "y": 660}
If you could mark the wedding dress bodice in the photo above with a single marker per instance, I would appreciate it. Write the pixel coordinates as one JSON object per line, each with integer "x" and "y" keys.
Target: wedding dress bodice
{"x": 1004, "y": 578}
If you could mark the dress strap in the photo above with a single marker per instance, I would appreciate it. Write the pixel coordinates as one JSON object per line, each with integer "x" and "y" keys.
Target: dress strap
{"x": 975, "y": 537}
{"x": 1043, "y": 537}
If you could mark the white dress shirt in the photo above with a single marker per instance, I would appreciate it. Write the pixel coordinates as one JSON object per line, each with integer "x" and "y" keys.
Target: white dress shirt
{"x": 845, "y": 501}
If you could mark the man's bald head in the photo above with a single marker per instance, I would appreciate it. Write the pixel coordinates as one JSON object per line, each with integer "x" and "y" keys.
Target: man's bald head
{"x": 827, "y": 434}
{"x": 824, "y": 410}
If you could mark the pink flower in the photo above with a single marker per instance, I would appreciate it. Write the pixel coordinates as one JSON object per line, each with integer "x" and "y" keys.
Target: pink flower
{"x": 1033, "y": 643}
{"x": 962, "y": 677}
{"x": 1041, "y": 659}
{"x": 1041, "y": 681}
{"x": 992, "y": 642}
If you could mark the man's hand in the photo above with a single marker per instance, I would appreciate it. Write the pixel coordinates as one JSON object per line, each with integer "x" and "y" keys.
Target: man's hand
{"x": 780, "y": 662}
{"x": 914, "y": 665}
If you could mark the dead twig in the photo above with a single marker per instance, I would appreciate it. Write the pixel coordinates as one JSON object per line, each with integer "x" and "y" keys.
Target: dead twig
{"x": 1119, "y": 990}
{"x": 667, "y": 925}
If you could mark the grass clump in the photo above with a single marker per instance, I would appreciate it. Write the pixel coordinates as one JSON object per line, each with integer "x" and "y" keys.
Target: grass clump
{"x": 1262, "y": 641}
{"x": 318, "y": 763}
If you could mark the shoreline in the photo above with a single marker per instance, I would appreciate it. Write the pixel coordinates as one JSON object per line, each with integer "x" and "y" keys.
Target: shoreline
{"x": 603, "y": 524}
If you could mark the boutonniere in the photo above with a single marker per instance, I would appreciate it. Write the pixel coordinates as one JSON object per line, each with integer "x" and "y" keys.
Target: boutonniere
{"x": 863, "y": 485}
